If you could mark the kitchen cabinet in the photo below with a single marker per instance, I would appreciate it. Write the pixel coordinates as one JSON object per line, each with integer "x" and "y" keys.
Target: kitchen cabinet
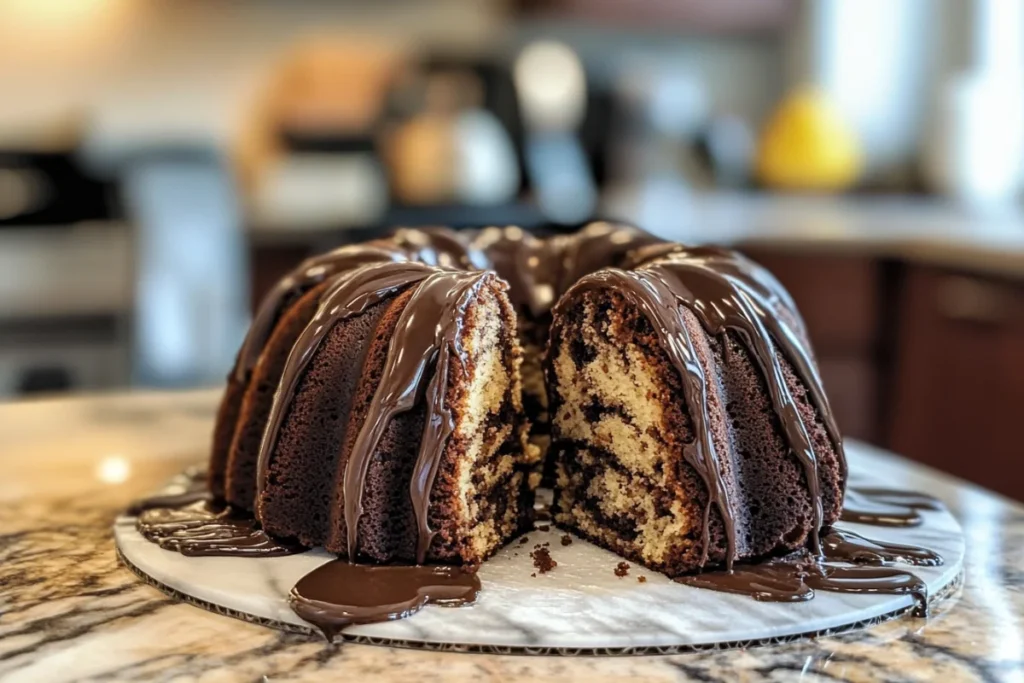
{"x": 958, "y": 393}
{"x": 270, "y": 264}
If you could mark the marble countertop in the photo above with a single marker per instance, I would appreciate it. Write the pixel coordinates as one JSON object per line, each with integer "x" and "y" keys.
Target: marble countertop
{"x": 69, "y": 611}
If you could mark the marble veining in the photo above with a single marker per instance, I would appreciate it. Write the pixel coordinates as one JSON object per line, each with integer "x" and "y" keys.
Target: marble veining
{"x": 70, "y": 611}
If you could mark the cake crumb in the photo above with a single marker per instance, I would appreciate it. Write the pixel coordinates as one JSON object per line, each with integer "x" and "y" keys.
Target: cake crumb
{"x": 524, "y": 540}
{"x": 566, "y": 539}
{"x": 622, "y": 569}
{"x": 544, "y": 527}
{"x": 534, "y": 575}
{"x": 641, "y": 579}
{"x": 542, "y": 560}
{"x": 545, "y": 544}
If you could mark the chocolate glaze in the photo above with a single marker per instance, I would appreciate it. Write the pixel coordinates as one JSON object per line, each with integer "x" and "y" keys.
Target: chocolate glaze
{"x": 339, "y": 594}
{"x": 310, "y": 273}
{"x": 194, "y": 491}
{"x": 840, "y": 545}
{"x": 168, "y": 500}
{"x": 796, "y": 581}
{"x": 776, "y": 582}
{"x": 437, "y": 246}
{"x": 871, "y": 580}
{"x": 538, "y": 270}
{"x": 911, "y": 499}
{"x": 886, "y": 507}
{"x": 723, "y": 290}
{"x": 726, "y": 292}
{"x": 428, "y": 333}
{"x": 206, "y": 529}
{"x": 349, "y": 295}
{"x": 598, "y": 245}
{"x": 528, "y": 264}
{"x": 795, "y": 578}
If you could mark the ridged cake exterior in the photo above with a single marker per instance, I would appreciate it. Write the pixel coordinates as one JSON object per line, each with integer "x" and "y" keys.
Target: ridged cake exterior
{"x": 687, "y": 422}
{"x": 478, "y": 497}
{"x": 677, "y": 414}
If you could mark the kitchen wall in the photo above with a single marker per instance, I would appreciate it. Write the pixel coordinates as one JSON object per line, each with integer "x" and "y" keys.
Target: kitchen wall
{"x": 741, "y": 75}
{"x": 176, "y": 68}
{"x": 123, "y": 61}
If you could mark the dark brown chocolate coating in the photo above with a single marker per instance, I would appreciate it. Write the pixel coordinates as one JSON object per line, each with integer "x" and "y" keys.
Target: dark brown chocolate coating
{"x": 734, "y": 301}
{"x": 309, "y": 274}
{"x": 794, "y": 581}
{"x": 425, "y": 346}
{"x": 886, "y": 507}
{"x": 202, "y": 529}
{"x": 352, "y": 443}
{"x": 340, "y": 594}
{"x": 243, "y": 455}
{"x": 538, "y": 271}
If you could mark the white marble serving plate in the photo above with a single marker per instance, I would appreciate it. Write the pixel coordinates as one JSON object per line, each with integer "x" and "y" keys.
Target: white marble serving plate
{"x": 580, "y": 606}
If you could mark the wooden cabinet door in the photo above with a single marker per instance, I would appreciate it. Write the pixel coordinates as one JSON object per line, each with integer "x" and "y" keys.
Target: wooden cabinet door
{"x": 959, "y": 390}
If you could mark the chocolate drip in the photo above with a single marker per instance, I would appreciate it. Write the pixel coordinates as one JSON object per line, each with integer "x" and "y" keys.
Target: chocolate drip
{"x": 351, "y": 294}
{"x": 764, "y": 583}
{"x": 886, "y": 507}
{"x": 796, "y": 581}
{"x": 841, "y": 545}
{"x": 538, "y": 270}
{"x": 339, "y": 594}
{"x": 168, "y": 500}
{"x": 531, "y": 266}
{"x": 310, "y": 273}
{"x": 428, "y": 333}
{"x": 194, "y": 490}
{"x": 727, "y": 293}
{"x": 437, "y": 246}
{"x": 754, "y": 300}
{"x": 439, "y": 426}
{"x": 911, "y": 499}
{"x": 203, "y": 529}
{"x": 871, "y": 580}
{"x": 599, "y": 245}
{"x": 654, "y": 297}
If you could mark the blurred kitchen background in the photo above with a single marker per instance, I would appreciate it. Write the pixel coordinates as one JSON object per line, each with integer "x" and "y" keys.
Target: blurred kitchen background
{"x": 162, "y": 162}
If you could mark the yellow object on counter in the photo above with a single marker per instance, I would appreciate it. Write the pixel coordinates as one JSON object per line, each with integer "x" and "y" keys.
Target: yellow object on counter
{"x": 807, "y": 145}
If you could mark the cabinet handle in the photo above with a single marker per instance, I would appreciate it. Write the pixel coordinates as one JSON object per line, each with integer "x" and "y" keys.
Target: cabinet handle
{"x": 970, "y": 300}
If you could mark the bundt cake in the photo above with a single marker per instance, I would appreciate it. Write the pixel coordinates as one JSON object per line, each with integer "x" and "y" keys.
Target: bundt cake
{"x": 393, "y": 401}
{"x": 689, "y": 426}
{"x": 404, "y": 388}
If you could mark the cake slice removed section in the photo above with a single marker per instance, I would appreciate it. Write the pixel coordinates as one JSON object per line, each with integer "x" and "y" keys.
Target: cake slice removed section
{"x": 367, "y": 386}
{"x": 625, "y": 441}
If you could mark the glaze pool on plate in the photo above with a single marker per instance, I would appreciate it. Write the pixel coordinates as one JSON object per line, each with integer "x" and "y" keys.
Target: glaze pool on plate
{"x": 581, "y": 603}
